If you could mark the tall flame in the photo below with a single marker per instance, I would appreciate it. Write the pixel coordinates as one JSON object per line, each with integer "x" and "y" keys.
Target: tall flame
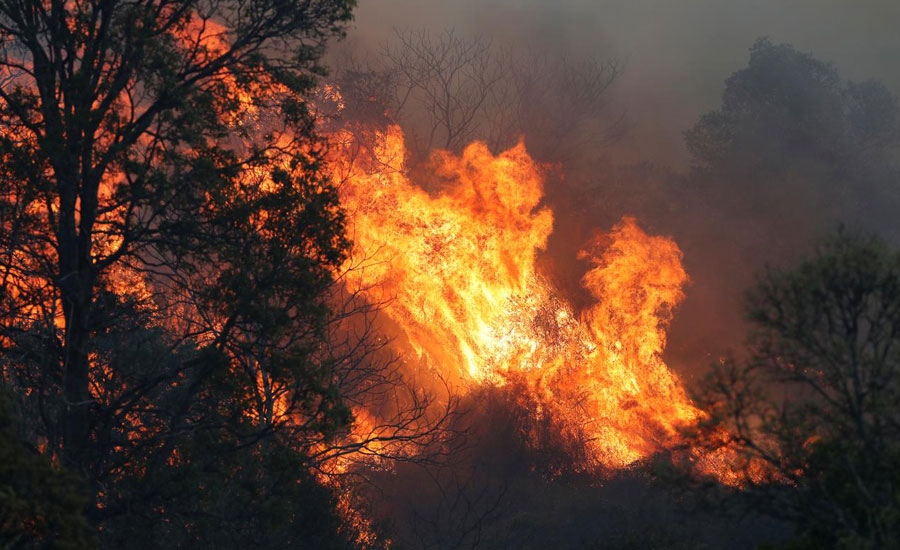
{"x": 458, "y": 268}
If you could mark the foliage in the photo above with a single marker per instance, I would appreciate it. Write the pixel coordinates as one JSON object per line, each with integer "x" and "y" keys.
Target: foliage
{"x": 791, "y": 134}
{"x": 40, "y": 504}
{"x": 814, "y": 404}
{"x": 169, "y": 241}
{"x": 221, "y": 497}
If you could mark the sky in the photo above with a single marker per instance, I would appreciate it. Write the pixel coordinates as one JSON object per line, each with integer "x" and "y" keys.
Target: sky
{"x": 677, "y": 53}
{"x": 677, "y": 56}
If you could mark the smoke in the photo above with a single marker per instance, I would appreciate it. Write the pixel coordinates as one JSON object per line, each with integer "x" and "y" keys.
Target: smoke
{"x": 678, "y": 54}
{"x": 730, "y": 222}
{"x": 676, "y": 57}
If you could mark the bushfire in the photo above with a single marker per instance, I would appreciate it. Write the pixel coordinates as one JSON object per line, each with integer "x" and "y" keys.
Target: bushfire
{"x": 457, "y": 268}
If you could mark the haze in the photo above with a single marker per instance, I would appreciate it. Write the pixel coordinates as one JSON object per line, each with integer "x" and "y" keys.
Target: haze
{"x": 678, "y": 54}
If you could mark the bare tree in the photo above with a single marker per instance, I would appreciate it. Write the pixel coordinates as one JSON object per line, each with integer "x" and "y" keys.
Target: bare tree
{"x": 447, "y": 90}
{"x": 450, "y": 79}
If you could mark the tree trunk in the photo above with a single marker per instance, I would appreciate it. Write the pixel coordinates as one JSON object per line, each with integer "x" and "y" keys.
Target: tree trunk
{"x": 76, "y": 426}
{"x": 76, "y": 286}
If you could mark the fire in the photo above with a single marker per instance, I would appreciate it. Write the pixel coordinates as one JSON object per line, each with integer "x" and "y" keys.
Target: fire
{"x": 458, "y": 268}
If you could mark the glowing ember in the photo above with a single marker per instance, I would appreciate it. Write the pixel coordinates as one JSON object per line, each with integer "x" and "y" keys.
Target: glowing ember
{"x": 459, "y": 270}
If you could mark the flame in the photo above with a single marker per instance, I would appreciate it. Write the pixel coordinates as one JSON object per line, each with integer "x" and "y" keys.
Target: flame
{"x": 458, "y": 268}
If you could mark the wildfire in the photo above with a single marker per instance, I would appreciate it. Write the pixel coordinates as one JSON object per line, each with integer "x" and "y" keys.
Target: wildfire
{"x": 458, "y": 267}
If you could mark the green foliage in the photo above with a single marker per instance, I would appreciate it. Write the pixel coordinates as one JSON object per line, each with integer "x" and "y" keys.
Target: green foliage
{"x": 815, "y": 403}
{"x": 168, "y": 242}
{"x": 41, "y": 506}
{"x": 213, "y": 495}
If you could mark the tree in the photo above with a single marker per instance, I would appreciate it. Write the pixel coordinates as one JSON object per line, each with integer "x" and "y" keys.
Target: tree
{"x": 812, "y": 411}
{"x": 793, "y": 141}
{"x": 793, "y": 149}
{"x": 447, "y": 90}
{"x": 40, "y": 505}
{"x": 169, "y": 239}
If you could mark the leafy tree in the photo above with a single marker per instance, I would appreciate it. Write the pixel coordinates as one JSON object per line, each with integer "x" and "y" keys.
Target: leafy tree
{"x": 169, "y": 239}
{"x": 221, "y": 496}
{"x": 813, "y": 408}
{"x": 792, "y": 149}
{"x": 40, "y": 505}
{"x": 793, "y": 141}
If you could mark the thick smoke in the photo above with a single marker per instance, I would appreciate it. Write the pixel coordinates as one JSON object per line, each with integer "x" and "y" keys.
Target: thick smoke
{"x": 678, "y": 54}
{"x": 744, "y": 151}
{"x": 673, "y": 60}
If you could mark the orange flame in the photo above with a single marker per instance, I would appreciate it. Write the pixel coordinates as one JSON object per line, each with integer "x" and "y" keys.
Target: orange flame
{"x": 458, "y": 268}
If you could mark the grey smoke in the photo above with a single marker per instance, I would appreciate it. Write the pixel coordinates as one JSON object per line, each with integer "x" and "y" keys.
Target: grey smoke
{"x": 677, "y": 57}
{"x": 678, "y": 54}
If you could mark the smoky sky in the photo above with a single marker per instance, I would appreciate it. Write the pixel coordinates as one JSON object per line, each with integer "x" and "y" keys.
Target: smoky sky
{"x": 677, "y": 54}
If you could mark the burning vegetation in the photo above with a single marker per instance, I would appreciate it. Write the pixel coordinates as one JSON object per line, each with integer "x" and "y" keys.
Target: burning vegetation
{"x": 235, "y": 300}
{"x": 458, "y": 271}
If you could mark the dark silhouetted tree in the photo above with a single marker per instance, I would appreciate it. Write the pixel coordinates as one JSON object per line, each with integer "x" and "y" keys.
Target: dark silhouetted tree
{"x": 796, "y": 147}
{"x": 40, "y": 504}
{"x": 447, "y": 90}
{"x": 169, "y": 242}
{"x": 815, "y": 401}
